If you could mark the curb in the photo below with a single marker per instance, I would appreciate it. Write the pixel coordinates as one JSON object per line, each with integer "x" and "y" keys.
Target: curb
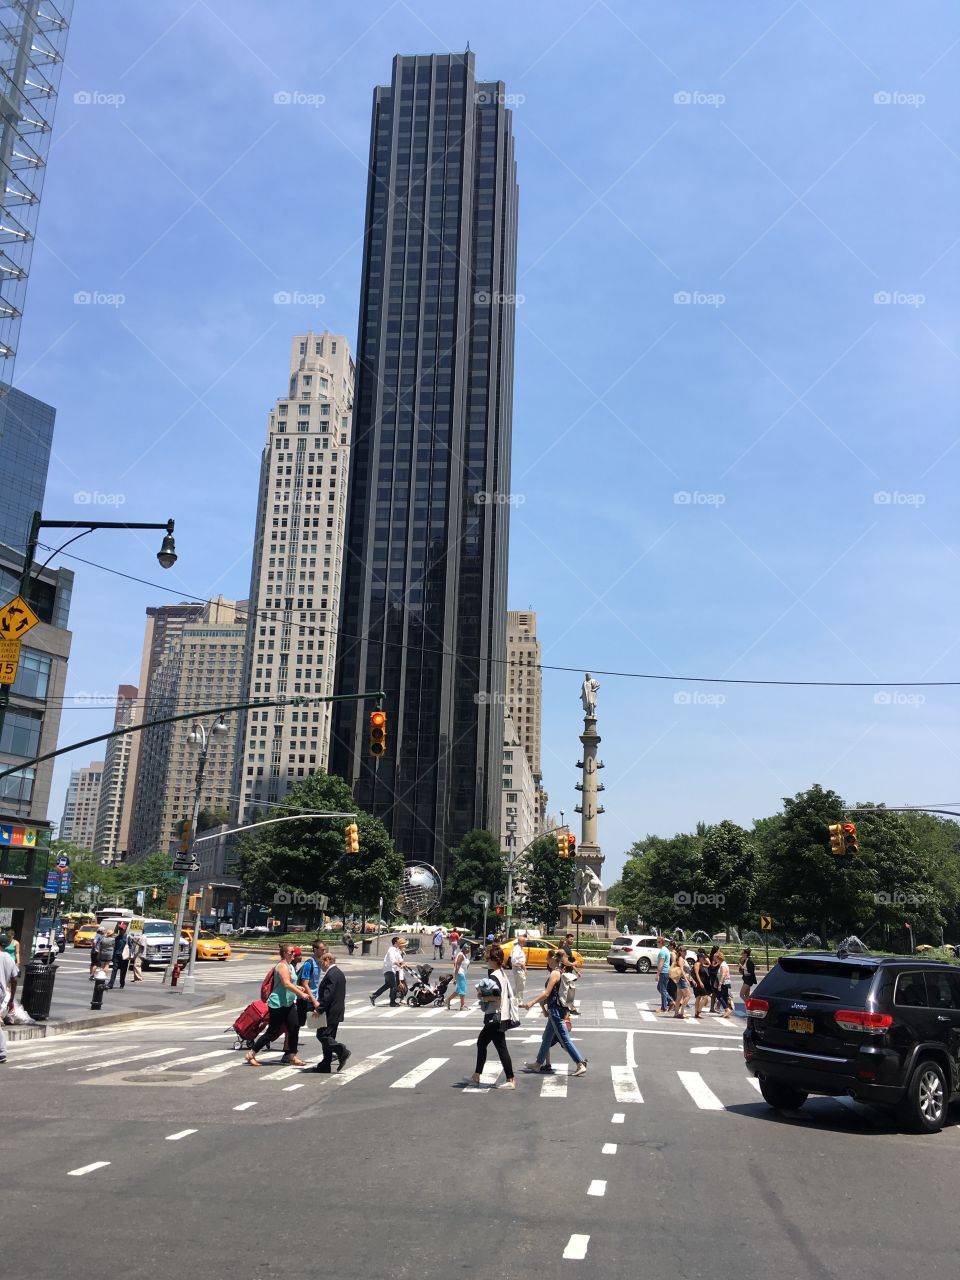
{"x": 44, "y": 1029}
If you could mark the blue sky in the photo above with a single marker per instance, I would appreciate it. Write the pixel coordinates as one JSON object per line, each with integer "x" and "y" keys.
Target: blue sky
{"x": 735, "y": 436}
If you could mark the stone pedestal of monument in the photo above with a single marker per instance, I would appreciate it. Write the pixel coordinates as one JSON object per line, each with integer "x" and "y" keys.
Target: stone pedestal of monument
{"x": 597, "y": 918}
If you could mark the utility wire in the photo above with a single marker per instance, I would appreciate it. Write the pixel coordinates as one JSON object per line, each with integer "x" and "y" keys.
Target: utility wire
{"x": 548, "y": 666}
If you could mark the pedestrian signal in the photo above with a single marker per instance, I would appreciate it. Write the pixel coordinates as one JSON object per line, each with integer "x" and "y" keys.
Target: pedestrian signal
{"x": 850, "y": 843}
{"x": 378, "y": 733}
{"x": 836, "y": 837}
{"x": 351, "y": 838}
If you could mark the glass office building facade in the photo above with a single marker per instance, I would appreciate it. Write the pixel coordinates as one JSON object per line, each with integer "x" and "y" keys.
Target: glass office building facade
{"x": 26, "y": 438}
{"x": 425, "y": 572}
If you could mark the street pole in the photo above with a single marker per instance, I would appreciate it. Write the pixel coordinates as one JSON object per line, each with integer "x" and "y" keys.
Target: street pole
{"x": 190, "y": 982}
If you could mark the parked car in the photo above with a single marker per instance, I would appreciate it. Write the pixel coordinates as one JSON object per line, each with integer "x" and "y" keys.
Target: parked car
{"x": 637, "y": 951}
{"x": 884, "y": 1030}
{"x": 51, "y": 936}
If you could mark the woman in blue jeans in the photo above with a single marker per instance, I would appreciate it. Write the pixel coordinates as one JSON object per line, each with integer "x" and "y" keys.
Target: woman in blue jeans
{"x": 557, "y": 1014}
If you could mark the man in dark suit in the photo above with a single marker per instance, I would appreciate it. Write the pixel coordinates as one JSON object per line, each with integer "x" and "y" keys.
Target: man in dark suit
{"x": 331, "y": 996}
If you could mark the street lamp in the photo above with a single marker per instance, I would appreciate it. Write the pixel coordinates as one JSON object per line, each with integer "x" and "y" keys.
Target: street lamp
{"x": 201, "y": 736}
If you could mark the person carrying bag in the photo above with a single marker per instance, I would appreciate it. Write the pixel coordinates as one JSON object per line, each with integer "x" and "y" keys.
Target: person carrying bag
{"x": 501, "y": 1013}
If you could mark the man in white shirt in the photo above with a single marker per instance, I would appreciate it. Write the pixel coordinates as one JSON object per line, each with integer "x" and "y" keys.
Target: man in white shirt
{"x": 438, "y": 944}
{"x": 392, "y": 965}
{"x": 8, "y": 971}
{"x": 518, "y": 963}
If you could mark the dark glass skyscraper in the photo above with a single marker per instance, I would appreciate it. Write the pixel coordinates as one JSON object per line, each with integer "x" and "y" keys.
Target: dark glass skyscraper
{"x": 425, "y": 571}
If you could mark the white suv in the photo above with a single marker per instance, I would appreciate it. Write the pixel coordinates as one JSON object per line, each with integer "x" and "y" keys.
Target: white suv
{"x": 633, "y": 951}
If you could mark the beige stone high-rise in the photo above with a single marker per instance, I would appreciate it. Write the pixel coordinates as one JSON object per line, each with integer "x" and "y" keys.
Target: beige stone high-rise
{"x": 79, "y": 822}
{"x": 524, "y": 694}
{"x": 197, "y": 666}
{"x": 112, "y": 833}
{"x": 297, "y": 561}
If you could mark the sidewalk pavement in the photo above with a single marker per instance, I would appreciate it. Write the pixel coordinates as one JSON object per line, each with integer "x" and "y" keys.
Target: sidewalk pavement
{"x": 72, "y": 992}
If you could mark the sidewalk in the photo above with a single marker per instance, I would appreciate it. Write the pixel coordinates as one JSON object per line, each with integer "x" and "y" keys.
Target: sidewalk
{"x": 73, "y": 991}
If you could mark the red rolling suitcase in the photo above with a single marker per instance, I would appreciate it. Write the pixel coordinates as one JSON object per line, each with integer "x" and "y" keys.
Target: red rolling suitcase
{"x": 251, "y": 1022}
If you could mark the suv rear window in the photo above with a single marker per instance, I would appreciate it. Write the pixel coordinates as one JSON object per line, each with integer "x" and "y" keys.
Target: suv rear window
{"x": 830, "y": 979}
{"x": 623, "y": 942}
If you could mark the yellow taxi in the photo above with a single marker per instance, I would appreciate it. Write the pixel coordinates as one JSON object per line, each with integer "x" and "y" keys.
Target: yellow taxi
{"x": 537, "y": 950}
{"x": 85, "y": 934}
{"x": 209, "y": 945}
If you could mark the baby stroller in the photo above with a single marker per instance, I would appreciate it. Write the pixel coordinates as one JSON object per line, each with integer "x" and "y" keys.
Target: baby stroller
{"x": 419, "y": 990}
{"x": 442, "y": 987}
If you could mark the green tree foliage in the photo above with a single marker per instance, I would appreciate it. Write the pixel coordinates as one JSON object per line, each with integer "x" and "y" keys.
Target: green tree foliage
{"x": 727, "y": 874}
{"x": 477, "y": 866}
{"x": 308, "y": 856}
{"x": 547, "y": 882}
{"x": 208, "y": 818}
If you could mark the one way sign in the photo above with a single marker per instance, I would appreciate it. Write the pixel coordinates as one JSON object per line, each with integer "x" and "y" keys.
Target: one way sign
{"x": 16, "y": 619}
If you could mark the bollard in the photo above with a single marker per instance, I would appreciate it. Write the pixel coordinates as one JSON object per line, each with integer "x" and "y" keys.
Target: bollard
{"x": 99, "y": 986}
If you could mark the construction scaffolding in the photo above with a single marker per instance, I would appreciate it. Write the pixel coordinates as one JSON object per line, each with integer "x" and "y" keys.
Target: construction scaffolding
{"x": 33, "y": 38}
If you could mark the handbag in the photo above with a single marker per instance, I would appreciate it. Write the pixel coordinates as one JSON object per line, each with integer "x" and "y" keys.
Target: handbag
{"x": 125, "y": 953}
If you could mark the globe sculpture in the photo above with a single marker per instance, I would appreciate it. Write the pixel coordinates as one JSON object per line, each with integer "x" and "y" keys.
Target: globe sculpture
{"x": 419, "y": 891}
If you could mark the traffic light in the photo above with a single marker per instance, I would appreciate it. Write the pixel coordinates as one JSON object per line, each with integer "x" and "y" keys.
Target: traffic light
{"x": 153, "y": 893}
{"x": 562, "y": 847}
{"x": 193, "y": 902}
{"x": 351, "y": 838}
{"x": 378, "y": 733}
{"x": 850, "y": 843}
{"x": 571, "y": 845}
{"x": 836, "y": 837}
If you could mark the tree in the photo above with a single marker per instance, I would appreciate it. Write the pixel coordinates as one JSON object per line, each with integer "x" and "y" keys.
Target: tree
{"x": 725, "y": 887}
{"x": 547, "y": 881}
{"x": 208, "y": 818}
{"x": 662, "y": 890}
{"x": 477, "y": 866}
{"x": 308, "y": 857}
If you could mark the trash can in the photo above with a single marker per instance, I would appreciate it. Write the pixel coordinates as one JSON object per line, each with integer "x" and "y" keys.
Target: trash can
{"x": 365, "y": 945}
{"x": 38, "y": 981}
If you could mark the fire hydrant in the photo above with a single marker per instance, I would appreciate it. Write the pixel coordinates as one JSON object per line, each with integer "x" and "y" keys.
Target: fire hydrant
{"x": 175, "y": 973}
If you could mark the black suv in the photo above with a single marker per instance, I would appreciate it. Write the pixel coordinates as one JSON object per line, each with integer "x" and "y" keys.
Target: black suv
{"x": 883, "y": 1030}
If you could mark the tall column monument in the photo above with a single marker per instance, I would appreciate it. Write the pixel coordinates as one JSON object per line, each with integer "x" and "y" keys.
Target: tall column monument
{"x": 590, "y": 895}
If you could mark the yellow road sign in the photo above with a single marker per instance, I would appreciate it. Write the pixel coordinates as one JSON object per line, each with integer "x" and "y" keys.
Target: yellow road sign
{"x": 16, "y": 619}
{"x": 576, "y": 915}
{"x": 766, "y": 923}
{"x": 9, "y": 658}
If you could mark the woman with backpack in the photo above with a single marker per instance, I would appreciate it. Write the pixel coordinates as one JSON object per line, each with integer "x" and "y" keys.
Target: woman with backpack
{"x": 282, "y": 1008}
{"x": 558, "y": 998}
{"x": 500, "y": 1010}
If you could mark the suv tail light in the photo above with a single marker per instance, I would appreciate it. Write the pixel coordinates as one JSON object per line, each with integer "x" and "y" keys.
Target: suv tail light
{"x": 873, "y": 1024}
{"x": 757, "y": 1008}
{"x": 626, "y": 948}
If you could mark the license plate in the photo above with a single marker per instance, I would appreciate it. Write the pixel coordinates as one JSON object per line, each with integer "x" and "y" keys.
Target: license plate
{"x": 804, "y": 1025}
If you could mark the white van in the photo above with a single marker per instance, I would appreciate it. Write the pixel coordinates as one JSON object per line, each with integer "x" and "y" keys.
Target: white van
{"x": 157, "y": 937}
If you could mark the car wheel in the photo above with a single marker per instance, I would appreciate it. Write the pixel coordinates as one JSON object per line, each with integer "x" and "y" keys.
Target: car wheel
{"x": 620, "y": 968}
{"x": 923, "y": 1108}
{"x": 643, "y": 966}
{"x": 782, "y": 1097}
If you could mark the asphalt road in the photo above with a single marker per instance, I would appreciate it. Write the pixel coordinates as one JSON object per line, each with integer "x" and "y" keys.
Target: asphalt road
{"x": 151, "y": 1147}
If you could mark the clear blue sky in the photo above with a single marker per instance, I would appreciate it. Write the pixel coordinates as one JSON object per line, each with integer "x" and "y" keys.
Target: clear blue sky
{"x": 782, "y": 165}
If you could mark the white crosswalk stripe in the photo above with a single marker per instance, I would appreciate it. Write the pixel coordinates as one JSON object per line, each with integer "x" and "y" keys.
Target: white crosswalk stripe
{"x": 182, "y": 1062}
{"x": 700, "y": 1091}
{"x": 625, "y": 1087}
{"x": 555, "y": 1086}
{"x": 610, "y": 1010}
{"x": 419, "y": 1074}
{"x": 488, "y": 1077}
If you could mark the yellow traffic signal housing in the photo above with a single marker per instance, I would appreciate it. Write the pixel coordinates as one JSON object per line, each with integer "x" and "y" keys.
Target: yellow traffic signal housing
{"x": 351, "y": 838}
{"x": 193, "y": 902}
{"x": 562, "y": 848}
{"x": 850, "y": 842}
{"x": 836, "y": 837}
{"x": 378, "y": 734}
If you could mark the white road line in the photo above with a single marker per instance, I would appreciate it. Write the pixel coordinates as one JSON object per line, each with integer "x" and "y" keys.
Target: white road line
{"x": 617, "y": 1117}
{"x": 576, "y": 1249}
{"x": 351, "y": 1073}
{"x": 245, "y": 1106}
{"x": 625, "y": 1087}
{"x": 555, "y": 1086}
{"x": 465, "y": 1013}
{"x": 488, "y": 1076}
{"x": 418, "y": 1074}
{"x": 754, "y": 1081}
{"x": 290, "y": 1087}
{"x": 61, "y": 1055}
{"x": 219, "y": 1068}
{"x": 184, "y": 1133}
{"x": 608, "y": 1149}
{"x": 700, "y": 1091}
{"x": 87, "y": 1168}
{"x": 647, "y": 1016}
{"x": 597, "y": 1188}
{"x": 430, "y": 1013}
{"x": 193, "y": 1057}
{"x": 716, "y": 1048}
{"x": 283, "y": 1074}
{"x": 115, "y": 1062}
{"x": 392, "y": 1013}
{"x": 609, "y": 1010}
{"x": 385, "y": 1053}
{"x": 631, "y": 1051}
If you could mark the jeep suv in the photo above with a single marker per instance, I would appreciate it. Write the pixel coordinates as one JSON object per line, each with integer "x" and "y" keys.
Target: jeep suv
{"x": 883, "y": 1030}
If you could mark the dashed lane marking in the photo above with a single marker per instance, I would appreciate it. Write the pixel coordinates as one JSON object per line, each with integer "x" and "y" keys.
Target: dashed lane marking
{"x": 618, "y": 1117}
{"x": 87, "y": 1168}
{"x": 576, "y": 1249}
{"x": 419, "y": 1074}
{"x": 597, "y": 1188}
{"x": 245, "y": 1106}
{"x": 700, "y": 1091}
{"x": 184, "y": 1133}
{"x": 290, "y": 1087}
{"x": 625, "y": 1087}
{"x": 609, "y": 1149}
